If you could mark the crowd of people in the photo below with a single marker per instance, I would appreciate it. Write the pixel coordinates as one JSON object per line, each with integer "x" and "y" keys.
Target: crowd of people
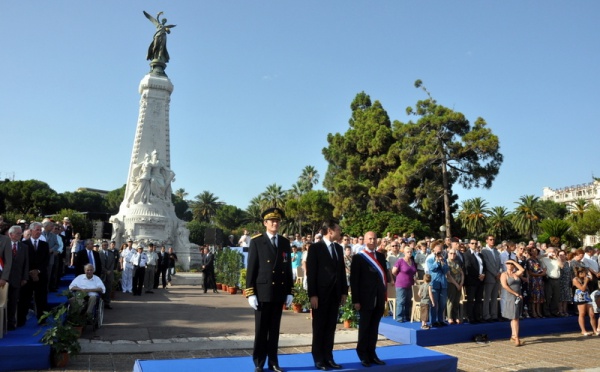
{"x": 34, "y": 256}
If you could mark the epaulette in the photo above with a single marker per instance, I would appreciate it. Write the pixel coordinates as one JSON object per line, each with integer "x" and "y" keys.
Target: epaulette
{"x": 256, "y": 236}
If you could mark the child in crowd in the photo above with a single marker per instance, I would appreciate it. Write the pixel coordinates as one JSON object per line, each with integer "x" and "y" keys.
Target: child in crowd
{"x": 426, "y": 300}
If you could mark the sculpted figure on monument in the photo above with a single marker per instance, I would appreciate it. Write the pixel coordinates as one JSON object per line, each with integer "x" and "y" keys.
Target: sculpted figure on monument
{"x": 158, "y": 48}
{"x": 151, "y": 180}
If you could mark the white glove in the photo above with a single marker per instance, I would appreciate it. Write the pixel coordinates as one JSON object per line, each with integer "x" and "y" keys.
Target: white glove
{"x": 253, "y": 301}
{"x": 289, "y": 300}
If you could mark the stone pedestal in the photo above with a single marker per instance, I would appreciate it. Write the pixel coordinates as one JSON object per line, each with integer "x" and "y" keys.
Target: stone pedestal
{"x": 147, "y": 213}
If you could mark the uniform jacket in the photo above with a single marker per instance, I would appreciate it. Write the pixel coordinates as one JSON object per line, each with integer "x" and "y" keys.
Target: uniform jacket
{"x": 269, "y": 273}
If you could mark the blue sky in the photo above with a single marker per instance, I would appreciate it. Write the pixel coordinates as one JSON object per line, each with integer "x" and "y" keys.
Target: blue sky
{"x": 260, "y": 84}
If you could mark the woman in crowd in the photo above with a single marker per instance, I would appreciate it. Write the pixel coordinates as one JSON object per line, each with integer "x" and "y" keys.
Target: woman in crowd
{"x": 536, "y": 273}
{"x": 405, "y": 270}
{"x": 438, "y": 268}
{"x": 511, "y": 297}
{"x": 521, "y": 257}
{"x": 566, "y": 281}
{"x": 420, "y": 257}
{"x": 74, "y": 248}
{"x": 577, "y": 260}
{"x": 583, "y": 301}
{"x": 455, "y": 279}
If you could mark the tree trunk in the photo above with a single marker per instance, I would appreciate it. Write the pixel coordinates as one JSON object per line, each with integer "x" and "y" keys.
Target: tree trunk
{"x": 446, "y": 199}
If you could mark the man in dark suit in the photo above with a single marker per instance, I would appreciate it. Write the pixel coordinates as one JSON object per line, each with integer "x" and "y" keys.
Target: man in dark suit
{"x": 474, "y": 276}
{"x": 208, "y": 270}
{"x": 37, "y": 284}
{"x": 368, "y": 281}
{"x": 269, "y": 285}
{"x": 327, "y": 289}
{"x": 19, "y": 273}
{"x": 88, "y": 256}
{"x": 5, "y": 259}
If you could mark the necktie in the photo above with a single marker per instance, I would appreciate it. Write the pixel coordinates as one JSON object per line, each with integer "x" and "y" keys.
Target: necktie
{"x": 139, "y": 260}
{"x": 14, "y": 249}
{"x": 274, "y": 242}
{"x": 332, "y": 251}
{"x": 91, "y": 259}
{"x": 35, "y": 244}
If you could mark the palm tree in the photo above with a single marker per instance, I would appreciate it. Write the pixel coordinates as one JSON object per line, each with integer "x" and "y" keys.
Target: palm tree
{"x": 296, "y": 191}
{"x": 205, "y": 206}
{"x": 526, "y": 217}
{"x": 499, "y": 223}
{"x": 308, "y": 178}
{"x": 181, "y": 193}
{"x": 555, "y": 228}
{"x": 274, "y": 196}
{"x": 578, "y": 208}
{"x": 473, "y": 216}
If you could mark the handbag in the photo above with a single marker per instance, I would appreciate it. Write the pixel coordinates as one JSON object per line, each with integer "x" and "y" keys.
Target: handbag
{"x": 581, "y": 296}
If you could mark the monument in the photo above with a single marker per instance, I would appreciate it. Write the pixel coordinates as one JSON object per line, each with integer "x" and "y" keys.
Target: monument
{"x": 146, "y": 213}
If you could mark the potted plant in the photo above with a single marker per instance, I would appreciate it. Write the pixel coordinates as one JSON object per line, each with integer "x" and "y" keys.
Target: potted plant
{"x": 349, "y": 315}
{"x": 301, "y": 300}
{"x": 62, "y": 338}
{"x": 77, "y": 315}
{"x": 231, "y": 262}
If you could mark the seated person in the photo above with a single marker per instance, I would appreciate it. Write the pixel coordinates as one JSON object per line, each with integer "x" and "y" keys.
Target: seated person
{"x": 90, "y": 284}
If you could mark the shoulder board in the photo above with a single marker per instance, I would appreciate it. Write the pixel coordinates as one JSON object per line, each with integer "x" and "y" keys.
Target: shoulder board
{"x": 256, "y": 236}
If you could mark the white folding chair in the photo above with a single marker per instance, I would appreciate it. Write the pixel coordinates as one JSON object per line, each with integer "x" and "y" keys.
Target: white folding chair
{"x": 416, "y": 305}
{"x": 3, "y": 310}
{"x": 391, "y": 295}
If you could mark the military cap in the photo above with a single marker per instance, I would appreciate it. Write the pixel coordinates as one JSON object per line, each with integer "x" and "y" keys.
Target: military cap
{"x": 273, "y": 214}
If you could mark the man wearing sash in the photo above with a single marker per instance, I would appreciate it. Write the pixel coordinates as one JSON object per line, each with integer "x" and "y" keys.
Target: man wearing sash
{"x": 368, "y": 282}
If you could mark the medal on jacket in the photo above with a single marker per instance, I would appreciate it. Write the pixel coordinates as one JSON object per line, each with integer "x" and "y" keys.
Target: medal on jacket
{"x": 284, "y": 256}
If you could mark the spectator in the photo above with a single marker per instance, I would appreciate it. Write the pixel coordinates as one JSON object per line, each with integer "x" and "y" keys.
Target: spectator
{"x": 512, "y": 298}
{"x": 438, "y": 268}
{"x": 296, "y": 261}
{"x": 405, "y": 270}
{"x": 583, "y": 301}
{"x": 90, "y": 284}
{"x": 348, "y": 261}
{"x": 566, "y": 280}
{"x": 552, "y": 284}
{"x": 535, "y": 272}
{"x": 455, "y": 278}
{"x": 426, "y": 300}
{"x": 420, "y": 257}
{"x": 491, "y": 283}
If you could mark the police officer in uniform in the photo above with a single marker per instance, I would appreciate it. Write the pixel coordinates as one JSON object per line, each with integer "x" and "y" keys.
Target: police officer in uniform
{"x": 269, "y": 285}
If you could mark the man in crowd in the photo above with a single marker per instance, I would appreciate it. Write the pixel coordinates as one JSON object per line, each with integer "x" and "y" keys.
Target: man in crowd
{"x": 111, "y": 262}
{"x": 552, "y": 285}
{"x": 5, "y": 259}
{"x": 358, "y": 245}
{"x": 139, "y": 260}
{"x": 474, "y": 277}
{"x": 19, "y": 273}
{"x": 269, "y": 258}
{"x": 37, "y": 284}
{"x": 327, "y": 289}
{"x": 127, "y": 276}
{"x": 88, "y": 256}
{"x": 368, "y": 280}
{"x": 171, "y": 261}
{"x": 208, "y": 270}
{"x": 53, "y": 243}
{"x": 90, "y": 284}
{"x": 590, "y": 262}
{"x": 491, "y": 282}
{"x": 150, "y": 268}
{"x": 161, "y": 268}
{"x": 244, "y": 241}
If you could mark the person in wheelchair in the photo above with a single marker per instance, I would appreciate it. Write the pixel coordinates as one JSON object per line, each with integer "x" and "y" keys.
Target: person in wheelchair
{"x": 91, "y": 285}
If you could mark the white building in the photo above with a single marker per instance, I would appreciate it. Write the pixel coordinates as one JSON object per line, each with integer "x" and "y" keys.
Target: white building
{"x": 567, "y": 195}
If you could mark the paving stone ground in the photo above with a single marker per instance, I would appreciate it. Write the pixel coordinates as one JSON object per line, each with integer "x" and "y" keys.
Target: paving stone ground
{"x": 182, "y": 322}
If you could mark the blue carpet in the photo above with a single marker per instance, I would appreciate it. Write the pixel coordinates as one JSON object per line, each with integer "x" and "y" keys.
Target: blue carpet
{"x": 402, "y": 357}
{"x": 411, "y": 333}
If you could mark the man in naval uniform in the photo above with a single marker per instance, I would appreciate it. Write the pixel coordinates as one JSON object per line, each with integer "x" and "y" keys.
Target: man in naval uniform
{"x": 269, "y": 286}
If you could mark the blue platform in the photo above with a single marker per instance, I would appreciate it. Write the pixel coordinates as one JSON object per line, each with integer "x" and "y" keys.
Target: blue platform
{"x": 397, "y": 358}
{"x": 411, "y": 333}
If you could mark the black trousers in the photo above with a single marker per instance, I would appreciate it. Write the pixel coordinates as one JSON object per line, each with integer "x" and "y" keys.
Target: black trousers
{"x": 138, "y": 279}
{"x": 209, "y": 280}
{"x": 368, "y": 327}
{"x": 267, "y": 320}
{"x": 552, "y": 294}
{"x": 323, "y": 325}
{"x": 39, "y": 292}
{"x": 13, "y": 300}
{"x": 474, "y": 292}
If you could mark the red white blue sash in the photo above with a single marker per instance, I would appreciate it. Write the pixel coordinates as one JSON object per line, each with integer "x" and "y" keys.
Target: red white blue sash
{"x": 373, "y": 262}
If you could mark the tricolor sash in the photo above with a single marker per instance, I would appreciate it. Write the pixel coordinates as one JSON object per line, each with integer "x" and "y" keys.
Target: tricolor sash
{"x": 373, "y": 262}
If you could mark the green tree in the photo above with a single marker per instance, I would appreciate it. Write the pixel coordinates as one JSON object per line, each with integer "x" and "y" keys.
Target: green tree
{"x": 527, "y": 215}
{"x": 473, "y": 216}
{"x": 308, "y": 178}
{"x": 29, "y": 197}
{"x": 381, "y": 222}
{"x": 205, "y": 206}
{"x": 197, "y": 229}
{"x": 552, "y": 209}
{"x": 79, "y": 221}
{"x": 84, "y": 201}
{"x": 114, "y": 199}
{"x": 229, "y": 217}
{"x": 499, "y": 223}
{"x": 444, "y": 141}
{"x": 309, "y": 210}
{"x": 578, "y": 208}
{"x": 358, "y": 160}
{"x": 182, "y": 208}
{"x": 181, "y": 193}
{"x": 273, "y": 196}
{"x": 588, "y": 223}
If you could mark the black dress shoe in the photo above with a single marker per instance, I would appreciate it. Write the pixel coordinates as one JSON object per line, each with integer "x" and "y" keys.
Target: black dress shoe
{"x": 333, "y": 364}
{"x": 258, "y": 369}
{"x": 378, "y": 361}
{"x": 276, "y": 368}
{"x": 365, "y": 363}
{"x": 321, "y": 366}
{"x": 215, "y": 291}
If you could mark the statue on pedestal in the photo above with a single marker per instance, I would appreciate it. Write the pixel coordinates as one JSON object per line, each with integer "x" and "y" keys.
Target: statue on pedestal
{"x": 151, "y": 181}
{"x": 157, "y": 51}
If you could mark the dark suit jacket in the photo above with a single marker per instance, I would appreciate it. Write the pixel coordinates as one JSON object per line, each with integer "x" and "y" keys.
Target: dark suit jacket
{"x": 82, "y": 260}
{"x": 208, "y": 260}
{"x": 472, "y": 268}
{"x": 365, "y": 282}
{"x": 6, "y": 256}
{"x": 39, "y": 259}
{"x": 269, "y": 273}
{"x": 326, "y": 278}
{"x": 20, "y": 266}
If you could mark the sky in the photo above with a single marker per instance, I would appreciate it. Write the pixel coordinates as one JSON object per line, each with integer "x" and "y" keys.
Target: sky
{"x": 260, "y": 84}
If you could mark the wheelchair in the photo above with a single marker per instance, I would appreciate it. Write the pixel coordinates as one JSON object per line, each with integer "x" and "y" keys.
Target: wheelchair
{"x": 97, "y": 313}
